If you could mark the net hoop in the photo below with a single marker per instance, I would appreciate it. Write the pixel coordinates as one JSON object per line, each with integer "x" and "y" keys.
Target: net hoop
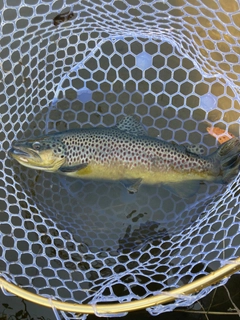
{"x": 162, "y": 298}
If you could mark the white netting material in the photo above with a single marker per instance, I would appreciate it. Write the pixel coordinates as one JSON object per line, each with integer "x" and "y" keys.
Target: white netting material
{"x": 175, "y": 64}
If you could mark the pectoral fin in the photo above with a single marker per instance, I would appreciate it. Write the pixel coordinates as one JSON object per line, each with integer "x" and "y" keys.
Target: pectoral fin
{"x": 73, "y": 168}
{"x": 184, "y": 189}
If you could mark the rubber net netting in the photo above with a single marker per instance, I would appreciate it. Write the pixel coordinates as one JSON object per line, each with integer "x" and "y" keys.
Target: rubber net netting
{"x": 175, "y": 65}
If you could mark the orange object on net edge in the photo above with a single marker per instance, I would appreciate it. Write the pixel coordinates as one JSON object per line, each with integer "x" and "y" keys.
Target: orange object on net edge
{"x": 220, "y": 134}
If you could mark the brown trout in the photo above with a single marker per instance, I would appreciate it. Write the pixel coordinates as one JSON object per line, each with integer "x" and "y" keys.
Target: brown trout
{"x": 126, "y": 152}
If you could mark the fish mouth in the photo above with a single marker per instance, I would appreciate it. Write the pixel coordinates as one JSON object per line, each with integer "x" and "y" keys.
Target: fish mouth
{"x": 26, "y": 156}
{"x": 21, "y": 152}
{"x": 18, "y": 152}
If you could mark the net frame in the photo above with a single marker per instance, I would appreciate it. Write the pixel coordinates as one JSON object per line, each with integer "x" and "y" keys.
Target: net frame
{"x": 121, "y": 308}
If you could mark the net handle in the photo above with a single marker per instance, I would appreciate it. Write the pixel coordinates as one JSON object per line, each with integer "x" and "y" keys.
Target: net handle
{"x": 164, "y": 297}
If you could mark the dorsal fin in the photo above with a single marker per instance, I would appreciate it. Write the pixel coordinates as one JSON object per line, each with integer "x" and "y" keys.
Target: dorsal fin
{"x": 131, "y": 125}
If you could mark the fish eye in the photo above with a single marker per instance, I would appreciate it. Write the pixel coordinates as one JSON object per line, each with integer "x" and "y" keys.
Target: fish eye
{"x": 36, "y": 146}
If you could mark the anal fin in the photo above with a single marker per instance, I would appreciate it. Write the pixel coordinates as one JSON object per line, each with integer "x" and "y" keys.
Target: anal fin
{"x": 185, "y": 189}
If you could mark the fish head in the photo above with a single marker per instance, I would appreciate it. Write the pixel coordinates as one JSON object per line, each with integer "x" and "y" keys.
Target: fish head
{"x": 46, "y": 153}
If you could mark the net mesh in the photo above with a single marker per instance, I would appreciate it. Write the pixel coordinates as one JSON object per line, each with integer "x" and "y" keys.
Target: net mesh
{"x": 174, "y": 64}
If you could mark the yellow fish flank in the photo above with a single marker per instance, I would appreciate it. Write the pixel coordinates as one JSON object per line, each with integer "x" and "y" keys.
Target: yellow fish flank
{"x": 125, "y": 152}
{"x": 119, "y": 172}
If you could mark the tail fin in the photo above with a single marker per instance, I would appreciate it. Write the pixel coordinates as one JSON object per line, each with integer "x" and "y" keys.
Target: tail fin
{"x": 227, "y": 159}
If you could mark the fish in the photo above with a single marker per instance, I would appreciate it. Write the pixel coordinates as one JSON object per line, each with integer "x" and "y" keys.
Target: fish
{"x": 62, "y": 17}
{"x": 220, "y": 134}
{"x": 125, "y": 152}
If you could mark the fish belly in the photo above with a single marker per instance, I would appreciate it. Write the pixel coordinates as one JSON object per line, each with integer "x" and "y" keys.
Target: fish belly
{"x": 120, "y": 172}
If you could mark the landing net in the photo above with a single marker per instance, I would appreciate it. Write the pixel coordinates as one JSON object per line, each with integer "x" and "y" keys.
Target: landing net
{"x": 175, "y": 65}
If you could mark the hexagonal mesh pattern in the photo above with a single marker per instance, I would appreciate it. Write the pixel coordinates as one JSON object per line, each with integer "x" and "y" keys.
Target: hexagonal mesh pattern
{"x": 175, "y": 64}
